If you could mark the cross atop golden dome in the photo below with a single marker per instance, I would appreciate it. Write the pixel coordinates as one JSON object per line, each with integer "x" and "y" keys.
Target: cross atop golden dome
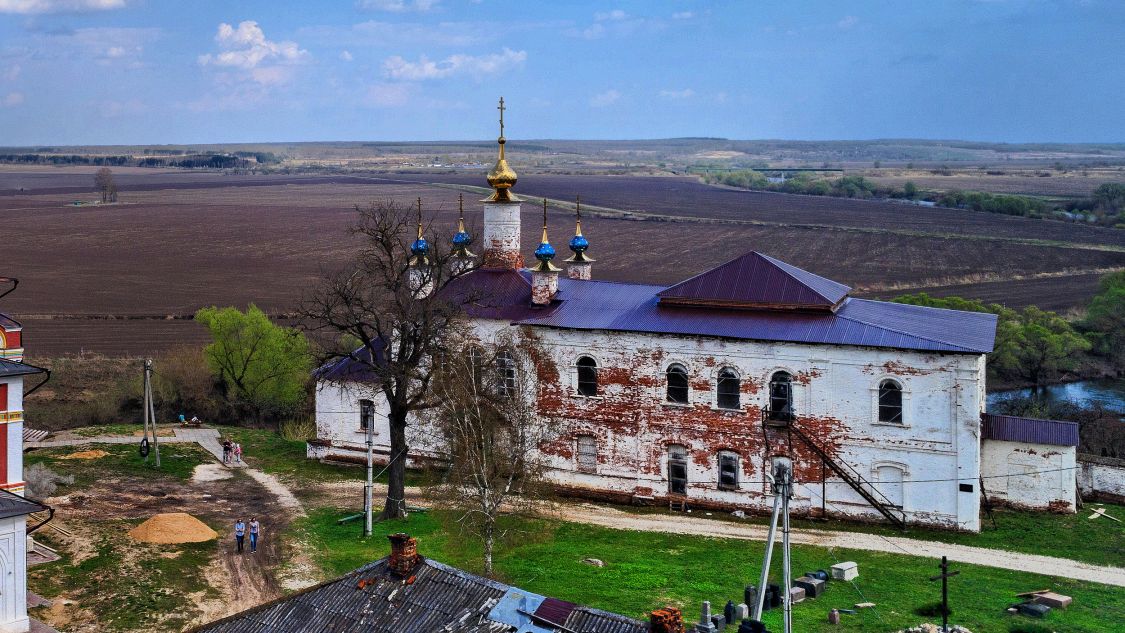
{"x": 502, "y": 177}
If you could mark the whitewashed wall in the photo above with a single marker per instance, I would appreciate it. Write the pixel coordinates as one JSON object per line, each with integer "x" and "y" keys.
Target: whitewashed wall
{"x": 1102, "y": 478}
{"x": 13, "y": 576}
{"x": 1035, "y": 476}
{"x": 835, "y": 393}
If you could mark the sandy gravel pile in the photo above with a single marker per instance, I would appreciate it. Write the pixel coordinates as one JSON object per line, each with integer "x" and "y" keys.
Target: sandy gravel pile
{"x": 173, "y": 527}
{"x": 94, "y": 454}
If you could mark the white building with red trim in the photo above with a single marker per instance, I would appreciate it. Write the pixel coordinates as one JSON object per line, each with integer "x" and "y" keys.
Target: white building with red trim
{"x": 13, "y": 507}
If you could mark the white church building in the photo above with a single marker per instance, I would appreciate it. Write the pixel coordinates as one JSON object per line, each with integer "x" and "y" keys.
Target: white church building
{"x": 683, "y": 394}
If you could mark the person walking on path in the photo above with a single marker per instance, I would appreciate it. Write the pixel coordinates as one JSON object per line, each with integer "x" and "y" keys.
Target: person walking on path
{"x": 239, "y": 534}
{"x": 255, "y": 527}
{"x": 226, "y": 451}
{"x": 238, "y": 452}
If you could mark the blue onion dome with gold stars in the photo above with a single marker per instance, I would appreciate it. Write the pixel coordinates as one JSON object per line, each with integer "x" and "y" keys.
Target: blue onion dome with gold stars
{"x": 461, "y": 239}
{"x": 545, "y": 252}
{"x": 579, "y": 243}
{"x": 420, "y": 249}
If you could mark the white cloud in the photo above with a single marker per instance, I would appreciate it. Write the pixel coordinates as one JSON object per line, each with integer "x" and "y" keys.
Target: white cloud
{"x": 847, "y": 22}
{"x": 616, "y": 14}
{"x": 11, "y": 73}
{"x": 346, "y": 56}
{"x": 397, "y": 6}
{"x": 398, "y": 68}
{"x": 683, "y": 15}
{"x": 686, "y": 93}
{"x": 246, "y": 47}
{"x": 13, "y": 99}
{"x": 603, "y": 99}
{"x": 616, "y": 23}
{"x": 27, "y": 7}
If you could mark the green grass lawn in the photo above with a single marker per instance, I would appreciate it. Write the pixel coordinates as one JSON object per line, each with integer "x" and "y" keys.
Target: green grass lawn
{"x": 268, "y": 451}
{"x": 1074, "y": 536}
{"x": 646, "y": 570}
{"x": 176, "y": 461}
{"x": 129, "y": 585}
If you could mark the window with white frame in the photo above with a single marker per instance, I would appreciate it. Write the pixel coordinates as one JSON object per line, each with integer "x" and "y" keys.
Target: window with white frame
{"x": 587, "y": 453}
{"x": 728, "y": 470}
{"x": 727, "y": 389}
{"x": 587, "y": 376}
{"x": 781, "y": 396}
{"x": 677, "y": 469}
{"x": 506, "y": 373}
{"x": 366, "y": 414}
{"x": 890, "y": 402}
{"x": 677, "y": 384}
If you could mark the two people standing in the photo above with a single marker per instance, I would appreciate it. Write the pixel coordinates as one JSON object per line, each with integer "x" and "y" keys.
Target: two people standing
{"x": 241, "y": 528}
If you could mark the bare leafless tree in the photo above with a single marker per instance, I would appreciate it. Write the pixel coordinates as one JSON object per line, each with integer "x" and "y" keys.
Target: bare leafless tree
{"x": 390, "y": 311}
{"x": 104, "y": 183}
{"x": 485, "y": 417}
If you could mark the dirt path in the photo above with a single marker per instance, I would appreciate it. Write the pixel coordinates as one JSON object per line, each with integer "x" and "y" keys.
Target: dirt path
{"x": 683, "y": 524}
{"x": 608, "y": 516}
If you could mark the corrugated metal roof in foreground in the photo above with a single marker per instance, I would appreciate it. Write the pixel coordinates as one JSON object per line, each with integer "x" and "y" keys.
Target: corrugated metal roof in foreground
{"x": 441, "y": 599}
{"x": 1011, "y": 428}
{"x": 593, "y": 305}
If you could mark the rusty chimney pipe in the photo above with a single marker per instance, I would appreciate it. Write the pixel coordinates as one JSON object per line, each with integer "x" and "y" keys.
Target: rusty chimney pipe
{"x": 404, "y": 553}
{"x": 666, "y": 620}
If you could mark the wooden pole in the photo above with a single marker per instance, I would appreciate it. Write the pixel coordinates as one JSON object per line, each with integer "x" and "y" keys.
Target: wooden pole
{"x": 151, "y": 409}
{"x": 944, "y": 576}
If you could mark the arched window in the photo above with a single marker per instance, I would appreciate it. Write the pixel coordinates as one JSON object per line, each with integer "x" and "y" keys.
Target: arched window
{"x": 728, "y": 470}
{"x": 890, "y": 402}
{"x": 506, "y": 373}
{"x": 587, "y": 455}
{"x": 726, "y": 389}
{"x": 366, "y": 414}
{"x": 587, "y": 376}
{"x": 677, "y": 469}
{"x": 781, "y": 396}
{"x": 677, "y": 384}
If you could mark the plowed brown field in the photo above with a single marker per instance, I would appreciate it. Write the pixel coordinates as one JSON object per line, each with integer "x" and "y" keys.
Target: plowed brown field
{"x": 119, "y": 279}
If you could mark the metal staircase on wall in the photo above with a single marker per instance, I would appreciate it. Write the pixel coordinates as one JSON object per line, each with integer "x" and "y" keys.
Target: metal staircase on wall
{"x": 786, "y": 422}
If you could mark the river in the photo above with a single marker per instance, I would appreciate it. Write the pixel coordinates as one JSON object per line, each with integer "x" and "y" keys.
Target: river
{"x": 1108, "y": 392}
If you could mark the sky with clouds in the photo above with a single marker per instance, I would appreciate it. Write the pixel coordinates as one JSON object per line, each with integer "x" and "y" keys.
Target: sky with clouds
{"x": 165, "y": 71}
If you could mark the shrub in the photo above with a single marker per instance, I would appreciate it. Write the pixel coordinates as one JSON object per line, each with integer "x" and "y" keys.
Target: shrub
{"x": 300, "y": 429}
{"x": 42, "y": 482}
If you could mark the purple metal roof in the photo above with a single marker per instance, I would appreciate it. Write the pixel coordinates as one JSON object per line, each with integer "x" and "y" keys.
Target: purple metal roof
{"x": 600, "y": 305}
{"x": 354, "y": 368}
{"x": 758, "y": 280}
{"x": 1012, "y": 428}
{"x": 493, "y": 293}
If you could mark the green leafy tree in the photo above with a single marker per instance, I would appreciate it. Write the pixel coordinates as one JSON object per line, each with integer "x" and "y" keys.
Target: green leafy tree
{"x": 1033, "y": 345}
{"x": 910, "y": 190}
{"x": 262, "y": 366}
{"x": 1046, "y": 346}
{"x": 1105, "y": 319}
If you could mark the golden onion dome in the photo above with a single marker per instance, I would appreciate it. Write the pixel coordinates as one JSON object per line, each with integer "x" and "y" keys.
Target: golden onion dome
{"x": 501, "y": 177}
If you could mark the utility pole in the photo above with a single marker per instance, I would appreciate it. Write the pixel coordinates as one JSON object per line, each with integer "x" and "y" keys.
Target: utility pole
{"x": 145, "y": 444}
{"x": 944, "y": 576}
{"x": 150, "y": 411}
{"x": 370, "y": 484}
{"x": 782, "y": 483}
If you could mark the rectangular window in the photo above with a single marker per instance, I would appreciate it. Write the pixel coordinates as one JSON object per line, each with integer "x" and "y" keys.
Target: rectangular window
{"x": 366, "y": 414}
{"x": 587, "y": 454}
{"x": 728, "y": 471}
{"x": 677, "y": 470}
